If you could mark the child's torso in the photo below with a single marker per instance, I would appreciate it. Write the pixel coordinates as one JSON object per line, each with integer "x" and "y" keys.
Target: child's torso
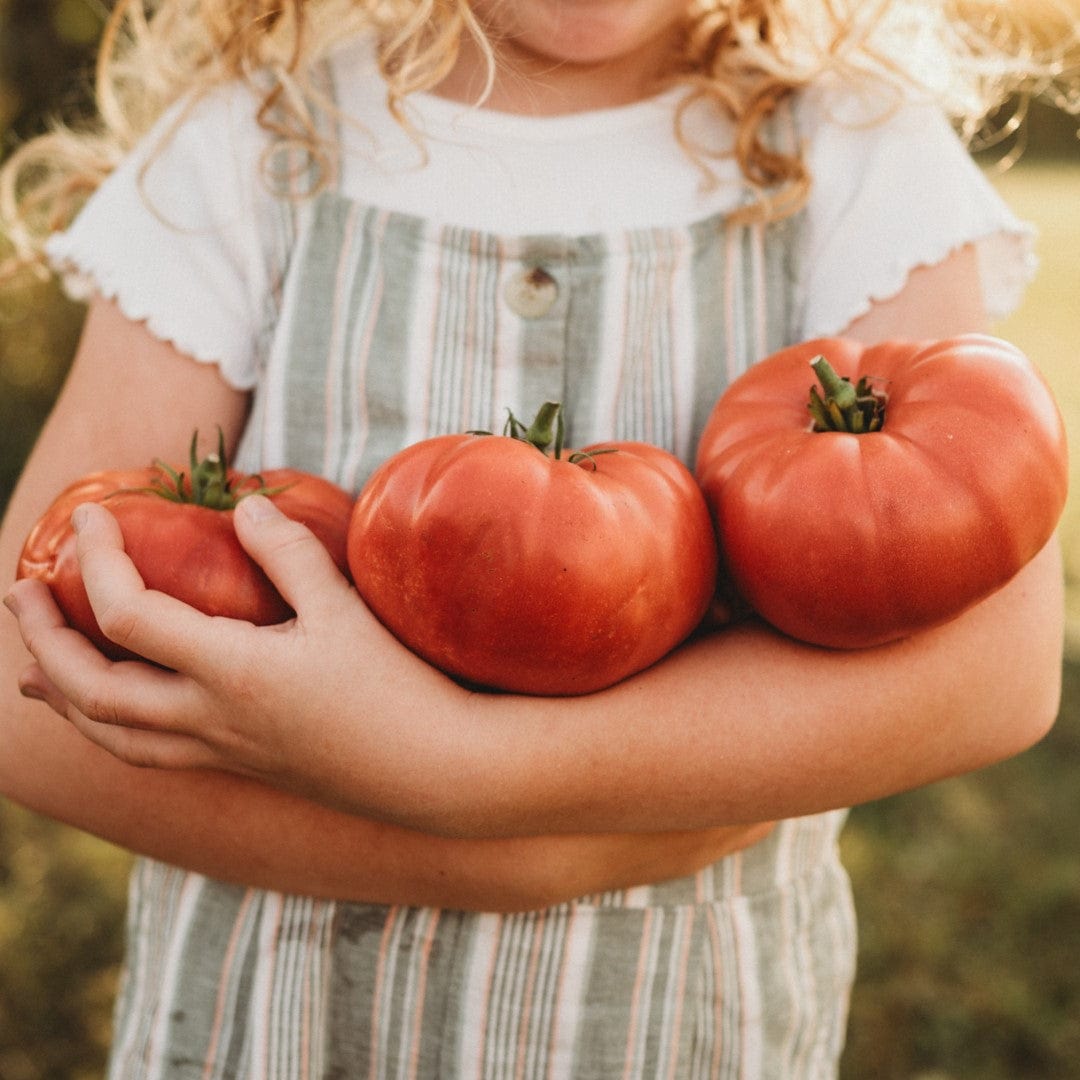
{"x": 388, "y": 329}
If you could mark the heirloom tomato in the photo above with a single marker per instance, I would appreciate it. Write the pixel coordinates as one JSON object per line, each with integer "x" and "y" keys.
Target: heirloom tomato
{"x": 922, "y": 479}
{"x": 178, "y": 532}
{"x": 516, "y": 569}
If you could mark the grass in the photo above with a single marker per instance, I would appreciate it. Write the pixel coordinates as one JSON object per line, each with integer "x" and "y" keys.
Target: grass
{"x": 968, "y": 891}
{"x": 1047, "y": 326}
{"x": 968, "y": 895}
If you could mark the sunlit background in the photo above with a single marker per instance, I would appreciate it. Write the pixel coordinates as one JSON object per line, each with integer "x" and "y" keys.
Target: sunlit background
{"x": 968, "y": 892}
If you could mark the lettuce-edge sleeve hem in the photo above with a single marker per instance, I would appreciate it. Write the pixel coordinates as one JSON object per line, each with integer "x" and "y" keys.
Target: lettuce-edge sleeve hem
{"x": 177, "y": 234}
{"x": 1007, "y": 264}
{"x": 84, "y": 278}
{"x": 895, "y": 189}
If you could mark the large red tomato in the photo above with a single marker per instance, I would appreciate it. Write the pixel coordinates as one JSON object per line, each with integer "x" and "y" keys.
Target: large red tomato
{"x": 515, "y": 569}
{"x": 920, "y": 482}
{"x": 178, "y": 531}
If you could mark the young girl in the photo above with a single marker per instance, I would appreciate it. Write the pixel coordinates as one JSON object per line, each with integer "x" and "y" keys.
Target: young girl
{"x": 334, "y": 227}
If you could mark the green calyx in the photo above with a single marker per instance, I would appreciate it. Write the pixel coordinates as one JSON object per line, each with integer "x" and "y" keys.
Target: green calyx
{"x": 546, "y": 432}
{"x": 209, "y": 483}
{"x": 856, "y": 409}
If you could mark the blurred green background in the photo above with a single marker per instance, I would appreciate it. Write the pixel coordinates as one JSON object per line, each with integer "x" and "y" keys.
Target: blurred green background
{"x": 968, "y": 891}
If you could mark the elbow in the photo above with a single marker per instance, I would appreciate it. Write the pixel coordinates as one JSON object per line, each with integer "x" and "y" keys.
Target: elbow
{"x": 1027, "y": 731}
{"x": 1009, "y": 691}
{"x": 1038, "y": 655}
{"x": 1011, "y": 722}
{"x": 1028, "y": 698}
{"x": 1035, "y": 715}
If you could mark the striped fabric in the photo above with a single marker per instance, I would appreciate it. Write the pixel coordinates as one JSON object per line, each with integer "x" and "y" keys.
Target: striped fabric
{"x": 644, "y": 332}
{"x": 392, "y": 329}
{"x": 742, "y": 971}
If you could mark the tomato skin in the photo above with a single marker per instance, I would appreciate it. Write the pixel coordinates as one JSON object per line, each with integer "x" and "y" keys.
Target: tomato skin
{"x": 850, "y": 540}
{"x": 513, "y": 570}
{"x": 185, "y": 550}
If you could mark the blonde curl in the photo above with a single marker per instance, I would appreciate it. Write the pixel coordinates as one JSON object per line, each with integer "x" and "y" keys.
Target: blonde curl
{"x": 746, "y": 56}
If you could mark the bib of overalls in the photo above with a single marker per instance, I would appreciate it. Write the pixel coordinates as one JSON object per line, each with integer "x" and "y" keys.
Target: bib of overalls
{"x": 387, "y": 329}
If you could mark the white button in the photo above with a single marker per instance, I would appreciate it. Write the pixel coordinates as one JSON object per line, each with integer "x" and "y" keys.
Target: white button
{"x": 531, "y": 292}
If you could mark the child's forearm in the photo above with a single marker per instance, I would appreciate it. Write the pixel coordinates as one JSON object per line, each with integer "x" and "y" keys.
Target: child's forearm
{"x": 747, "y": 726}
{"x": 739, "y": 727}
{"x": 240, "y": 831}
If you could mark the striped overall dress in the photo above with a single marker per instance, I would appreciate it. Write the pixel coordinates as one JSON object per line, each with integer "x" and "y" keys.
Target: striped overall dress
{"x": 388, "y": 329}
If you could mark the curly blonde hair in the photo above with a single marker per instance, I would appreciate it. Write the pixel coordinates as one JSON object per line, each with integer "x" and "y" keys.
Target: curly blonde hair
{"x": 972, "y": 56}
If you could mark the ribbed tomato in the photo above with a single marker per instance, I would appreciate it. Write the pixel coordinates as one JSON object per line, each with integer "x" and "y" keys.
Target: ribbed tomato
{"x": 542, "y": 573}
{"x": 178, "y": 531}
{"x": 921, "y": 481}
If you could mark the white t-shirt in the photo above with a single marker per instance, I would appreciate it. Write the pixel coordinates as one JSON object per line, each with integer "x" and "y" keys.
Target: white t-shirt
{"x": 178, "y": 234}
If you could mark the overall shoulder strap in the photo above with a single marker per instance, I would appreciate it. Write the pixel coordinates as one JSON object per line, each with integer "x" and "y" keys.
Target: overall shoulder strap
{"x": 296, "y": 174}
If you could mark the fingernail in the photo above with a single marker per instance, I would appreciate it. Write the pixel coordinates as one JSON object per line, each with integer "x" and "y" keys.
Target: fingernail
{"x": 258, "y": 508}
{"x": 78, "y": 518}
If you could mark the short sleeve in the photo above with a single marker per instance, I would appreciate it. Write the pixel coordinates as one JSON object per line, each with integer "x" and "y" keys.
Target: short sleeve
{"x": 894, "y": 188}
{"x": 176, "y": 235}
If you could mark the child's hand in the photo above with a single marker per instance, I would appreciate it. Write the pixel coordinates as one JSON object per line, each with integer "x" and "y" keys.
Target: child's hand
{"x": 263, "y": 702}
{"x": 273, "y": 703}
{"x": 733, "y": 727}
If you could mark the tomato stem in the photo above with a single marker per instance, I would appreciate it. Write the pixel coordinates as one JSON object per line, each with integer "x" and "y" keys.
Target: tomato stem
{"x": 210, "y": 478}
{"x": 857, "y": 409}
{"x": 546, "y": 431}
{"x": 546, "y": 428}
{"x": 210, "y": 482}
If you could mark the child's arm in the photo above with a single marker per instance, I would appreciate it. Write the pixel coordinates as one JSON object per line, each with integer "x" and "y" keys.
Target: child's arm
{"x": 131, "y": 398}
{"x": 742, "y": 726}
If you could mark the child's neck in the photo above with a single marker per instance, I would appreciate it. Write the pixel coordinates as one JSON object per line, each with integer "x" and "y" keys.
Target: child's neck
{"x": 533, "y": 86}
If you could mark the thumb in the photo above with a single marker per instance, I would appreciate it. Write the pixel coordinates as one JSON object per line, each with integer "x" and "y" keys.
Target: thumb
{"x": 290, "y": 554}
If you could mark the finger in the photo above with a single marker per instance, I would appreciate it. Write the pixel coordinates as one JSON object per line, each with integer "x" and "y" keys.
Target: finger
{"x": 146, "y": 622}
{"x": 145, "y": 749}
{"x": 293, "y": 558}
{"x": 35, "y": 684}
{"x": 41, "y": 623}
{"x": 43, "y": 627}
{"x": 71, "y": 673}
